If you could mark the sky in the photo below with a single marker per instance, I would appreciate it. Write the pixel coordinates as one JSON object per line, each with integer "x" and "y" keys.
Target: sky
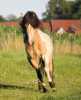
{"x": 17, "y": 7}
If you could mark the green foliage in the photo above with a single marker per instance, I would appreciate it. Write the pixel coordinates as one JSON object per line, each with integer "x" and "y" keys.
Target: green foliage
{"x": 2, "y": 19}
{"x": 63, "y": 10}
{"x": 61, "y": 38}
{"x": 4, "y": 30}
{"x": 76, "y": 9}
{"x": 7, "y": 35}
{"x": 16, "y": 31}
{"x": 66, "y": 37}
{"x": 77, "y": 40}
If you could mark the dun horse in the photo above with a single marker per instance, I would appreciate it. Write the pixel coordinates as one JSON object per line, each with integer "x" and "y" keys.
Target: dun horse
{"x": 39, "y": 49}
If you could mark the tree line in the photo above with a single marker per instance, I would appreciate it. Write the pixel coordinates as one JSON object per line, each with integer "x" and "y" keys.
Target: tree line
{"x": 63, "y": 9}
{"x": 10, "y": 17}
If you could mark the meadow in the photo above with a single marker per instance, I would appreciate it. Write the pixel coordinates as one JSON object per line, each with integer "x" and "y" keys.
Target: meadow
{"x": 18, "y": 79}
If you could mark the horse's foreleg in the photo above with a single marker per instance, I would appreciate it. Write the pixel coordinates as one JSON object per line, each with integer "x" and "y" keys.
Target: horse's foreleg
{"x": 49, "y": 73}
{"x": 41, "y": 84}
{"x": 52, "y": 84}
{"x": 37, "y": 64}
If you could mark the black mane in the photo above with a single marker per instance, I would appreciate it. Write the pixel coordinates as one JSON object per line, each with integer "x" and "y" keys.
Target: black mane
{"x": 29, "y": 18}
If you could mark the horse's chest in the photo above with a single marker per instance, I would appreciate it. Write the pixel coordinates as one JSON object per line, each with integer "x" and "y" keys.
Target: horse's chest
{"x": 38, "y": 44}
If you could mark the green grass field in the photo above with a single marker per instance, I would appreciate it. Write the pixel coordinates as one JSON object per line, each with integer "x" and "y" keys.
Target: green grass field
{"x": 16, "y": 76}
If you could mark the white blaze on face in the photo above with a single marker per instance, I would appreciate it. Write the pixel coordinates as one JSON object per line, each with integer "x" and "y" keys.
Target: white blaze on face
{"x": 30, "y": 32}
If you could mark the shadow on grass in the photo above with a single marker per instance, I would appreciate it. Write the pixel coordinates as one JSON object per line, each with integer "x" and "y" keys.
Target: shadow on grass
{"x": 9, "y": 86}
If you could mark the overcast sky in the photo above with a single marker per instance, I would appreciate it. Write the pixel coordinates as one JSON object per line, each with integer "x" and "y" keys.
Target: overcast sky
{"x": 22, "y": 6}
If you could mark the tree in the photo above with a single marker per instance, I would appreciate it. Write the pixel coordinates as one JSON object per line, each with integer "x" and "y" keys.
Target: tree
{"x": 11, "y": 17}
{"x": 76, "y": 9}
{"x": 2, "y": 19}
{"x": 58, "y": 9}
{"x": 50, "y": 11}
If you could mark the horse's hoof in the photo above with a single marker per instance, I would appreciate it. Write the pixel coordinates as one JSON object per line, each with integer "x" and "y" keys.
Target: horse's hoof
{"x": 54, "y": 89}
{"x": 52, "y": 84}
{"x": 43, "y": 90}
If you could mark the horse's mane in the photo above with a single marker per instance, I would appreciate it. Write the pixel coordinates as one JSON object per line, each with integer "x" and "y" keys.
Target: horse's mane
{"x": 30, "y": 18}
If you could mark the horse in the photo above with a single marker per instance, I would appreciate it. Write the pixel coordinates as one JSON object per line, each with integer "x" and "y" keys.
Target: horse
{"x": 39, "y": 49}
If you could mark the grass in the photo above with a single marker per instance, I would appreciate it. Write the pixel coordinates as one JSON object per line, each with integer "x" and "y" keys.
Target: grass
{"x": 16, "y": 72}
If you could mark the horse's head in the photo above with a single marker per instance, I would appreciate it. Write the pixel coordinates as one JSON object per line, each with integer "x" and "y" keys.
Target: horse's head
{"x": 29, "y": 18}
